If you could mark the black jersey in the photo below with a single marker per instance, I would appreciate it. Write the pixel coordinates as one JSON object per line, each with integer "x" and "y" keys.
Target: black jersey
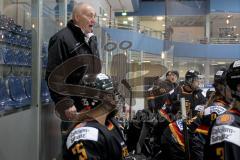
{"x": 192, "y": 98}
{"x": 93, "y": 141}
{"x": 224, "y": 137}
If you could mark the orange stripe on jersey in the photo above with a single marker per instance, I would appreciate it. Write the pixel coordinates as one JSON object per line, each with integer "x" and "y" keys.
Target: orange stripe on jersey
{"x": 110, "y": 126}
{"x": 203, "y": 129}
{"x": 177, "y": 134}
{"x": 233, "y": 110}
{"x": 165, "y": 115}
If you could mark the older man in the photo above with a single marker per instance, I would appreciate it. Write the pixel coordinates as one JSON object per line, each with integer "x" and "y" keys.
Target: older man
{"x": 75, "y": 39}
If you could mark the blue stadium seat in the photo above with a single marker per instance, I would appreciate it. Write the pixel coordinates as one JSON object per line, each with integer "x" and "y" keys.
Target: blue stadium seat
{"x": 8, "y": 56}
{"x": 20, "y": 57}
{"x": 45, "y": 95}
{"x": 17, "y": 91}
{"x": 1, "y": 56}
{"x": 28, "y": 56}
{"x": 6, "y": 103}
{"x": 28, "y": 86}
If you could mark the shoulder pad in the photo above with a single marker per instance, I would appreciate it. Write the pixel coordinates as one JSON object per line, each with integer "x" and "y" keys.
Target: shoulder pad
{"x": 83, "y": 133}
{"x": 214, "y": 109}
{"x": 225, "y": 133}
{"x": 179, "y": 123}
{"x": 225, "y": 119}
{"x": 199, "y": 108}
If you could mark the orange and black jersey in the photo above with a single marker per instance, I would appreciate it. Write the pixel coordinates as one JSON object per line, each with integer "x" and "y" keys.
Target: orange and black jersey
{"x": 224, "y": 137}
{"x": 204, "y": 120}
{"x": 93, "y": 141}
{"x": 192, "y": 97}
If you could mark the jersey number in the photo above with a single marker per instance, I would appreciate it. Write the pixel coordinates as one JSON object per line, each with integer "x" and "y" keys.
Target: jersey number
{"x": 79, "y": 149}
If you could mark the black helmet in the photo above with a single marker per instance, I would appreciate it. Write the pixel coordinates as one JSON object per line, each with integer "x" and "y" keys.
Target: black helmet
{"x": 233, "y": 78}
{"x": 99, "y": 82}
{"x": 220, "y": 75}
{"x": 191, "y": 75}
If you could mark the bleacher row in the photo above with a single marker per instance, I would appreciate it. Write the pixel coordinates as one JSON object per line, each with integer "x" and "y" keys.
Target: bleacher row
{"x": 16, "y": 92}
{"x": 16, "y": 44}
{"x": 15, "y": 56}
{"x": 13, "y": 33}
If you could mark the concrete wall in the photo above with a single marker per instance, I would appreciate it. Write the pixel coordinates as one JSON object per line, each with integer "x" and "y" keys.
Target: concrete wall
{"x": 18, "y": 136}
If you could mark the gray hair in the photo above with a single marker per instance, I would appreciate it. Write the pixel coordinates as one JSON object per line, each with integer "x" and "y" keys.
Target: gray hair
{"x": 78, "y": 7}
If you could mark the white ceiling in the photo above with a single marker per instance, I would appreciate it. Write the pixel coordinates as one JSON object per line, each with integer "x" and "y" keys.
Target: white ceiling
{"x": 120, "y": 5}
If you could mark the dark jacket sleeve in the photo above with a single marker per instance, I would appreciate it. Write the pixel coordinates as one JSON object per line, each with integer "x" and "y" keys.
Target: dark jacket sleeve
{"x": 57, "y": 52}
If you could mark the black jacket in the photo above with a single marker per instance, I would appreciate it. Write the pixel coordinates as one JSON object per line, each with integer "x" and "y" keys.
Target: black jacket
{"x": 65, "y": 44}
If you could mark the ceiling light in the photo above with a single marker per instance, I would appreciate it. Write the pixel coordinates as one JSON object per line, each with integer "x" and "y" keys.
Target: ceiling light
{"x": 130, "y": 18}
{"x": 105, "y": 14}
{"x": 163, "y": 25}
{"x": 162, "y": 55}
{"x": 227, "y": 21}
{"x": 229, "y": 16}
{"x": 221, "y": 62}
{"x": 104, "y": 19}
{"x": 61, "y": 24}
{"x": 234, "y": 26}
{"x": 125, "y": 22}
{"x": 146, "y": 61}
{"x": 124, "y": 13}
{"x": 159, "y": 18}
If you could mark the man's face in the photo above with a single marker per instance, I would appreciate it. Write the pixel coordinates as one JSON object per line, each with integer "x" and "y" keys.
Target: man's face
{"x": 85, "y": 19}
{"x": 196, "y": 84}
{"x": 172, "y": 77}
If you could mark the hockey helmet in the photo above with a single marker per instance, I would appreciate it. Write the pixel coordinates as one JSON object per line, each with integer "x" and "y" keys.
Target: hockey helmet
{"x": 233, "y": 79}
{"x": 220, "y": 81}
{"x": 220, "y": 75}
{"x": 95, "y": 92}
{"x": 192, "y": 75}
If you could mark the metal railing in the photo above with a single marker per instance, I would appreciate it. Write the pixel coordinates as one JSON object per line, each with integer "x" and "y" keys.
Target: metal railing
{"x": 225, "y": 40}
{"x": 133, "y": 26}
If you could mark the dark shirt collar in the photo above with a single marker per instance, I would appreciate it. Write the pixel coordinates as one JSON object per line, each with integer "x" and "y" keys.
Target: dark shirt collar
{"x": 77, "y": 32}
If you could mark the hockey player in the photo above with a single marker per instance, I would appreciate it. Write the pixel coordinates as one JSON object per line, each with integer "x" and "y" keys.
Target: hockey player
{"x": 224, "y": 137}
{"x": 173, "y": 138}
{"x": 191, "y": 91}
{"x": 95, "y": 133}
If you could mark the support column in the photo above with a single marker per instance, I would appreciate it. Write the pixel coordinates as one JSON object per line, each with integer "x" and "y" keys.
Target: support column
{"x": 208, "y": 28}
{"x": 36, "y": 68}
{"x": 207, "y": 71}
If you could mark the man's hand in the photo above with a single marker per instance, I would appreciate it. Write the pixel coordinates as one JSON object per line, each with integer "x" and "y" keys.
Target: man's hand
{"x": 70, "y": 112}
